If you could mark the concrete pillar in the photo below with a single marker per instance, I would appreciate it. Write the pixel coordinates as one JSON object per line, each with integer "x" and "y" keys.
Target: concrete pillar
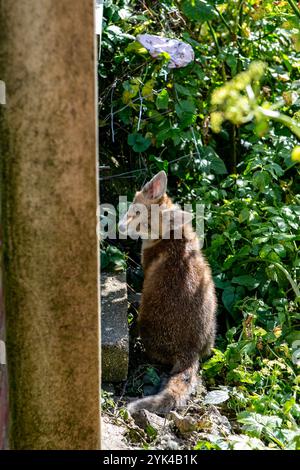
{"x": 49, "y": 198}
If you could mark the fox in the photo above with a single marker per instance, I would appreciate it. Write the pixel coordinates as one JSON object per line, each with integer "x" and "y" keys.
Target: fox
{"x": 177, "y": 314}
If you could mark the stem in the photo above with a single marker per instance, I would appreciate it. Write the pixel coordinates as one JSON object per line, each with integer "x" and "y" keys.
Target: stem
{"x": 294, "y": 7}
{"x": 240, "y": 13}
{"x": 289, "y": 278}
{"x": 239, "y": 23}
{"x": 213, "y": 33}
{"x": 279, "y": 117}
{"x": 223, "y": 20}
{"x": 234, "y": 148}
{"x": 287, "y": 274}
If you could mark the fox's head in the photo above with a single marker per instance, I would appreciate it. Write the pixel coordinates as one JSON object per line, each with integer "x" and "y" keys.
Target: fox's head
{"x": 152, "y": 214}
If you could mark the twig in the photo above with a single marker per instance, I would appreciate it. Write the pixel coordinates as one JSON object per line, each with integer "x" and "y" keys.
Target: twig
{"x": 195, "y": 142}
{"x": 234, "y": 148}
{"x": 112, "y": 115}
{"x": 140, "y": 111}
{"x": 142, "y": 170}
{"x": 127, "y": 105}
{"x": 294, "y": 7}
{"x": 223, "y": 19}
{"x": 213, "y": 33}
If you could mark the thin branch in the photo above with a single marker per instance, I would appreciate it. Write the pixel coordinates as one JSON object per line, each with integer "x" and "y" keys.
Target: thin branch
{"x": 282, "y": 118}
{"x": 112, "y": 115}
{"x": 132, "y": 101}
{"x": 140, "y": 111}
{"x": 142, "y": 170}
{"x": 213, "y": 33}
{"x": 294, "y": 7}
{"x": 223, "y": 20}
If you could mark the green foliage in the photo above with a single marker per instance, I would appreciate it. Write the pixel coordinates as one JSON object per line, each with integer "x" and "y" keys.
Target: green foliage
{"x": 143, "y": 380}
{"x": 112, "y": 258}
{"x": 226, "y": 129}
{"x": 237, "y": 102}
{"x": 261, "y": 376}
{"x": 198, "y": 10}
{"x": 107, "y": 401}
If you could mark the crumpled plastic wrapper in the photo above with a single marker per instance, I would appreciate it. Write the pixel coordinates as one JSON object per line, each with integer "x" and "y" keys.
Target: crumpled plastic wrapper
{"x": 180, "y": 52}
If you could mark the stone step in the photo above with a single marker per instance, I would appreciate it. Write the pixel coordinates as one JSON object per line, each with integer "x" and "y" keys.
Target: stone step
{"x": 114, "y": 327}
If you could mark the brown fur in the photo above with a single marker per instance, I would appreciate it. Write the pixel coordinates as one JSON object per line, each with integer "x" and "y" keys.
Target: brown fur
{"x": 177, "y": 313}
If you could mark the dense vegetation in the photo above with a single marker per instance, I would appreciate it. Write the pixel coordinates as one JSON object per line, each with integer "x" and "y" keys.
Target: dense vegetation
{"x": 229, "y": 147}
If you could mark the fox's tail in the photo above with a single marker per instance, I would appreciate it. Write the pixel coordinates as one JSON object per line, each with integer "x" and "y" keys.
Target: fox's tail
{"x": 174, "y": 394}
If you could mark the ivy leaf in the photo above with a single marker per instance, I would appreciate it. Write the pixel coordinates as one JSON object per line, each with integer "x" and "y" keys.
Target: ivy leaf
{"x": 198, "y": 10}
{"x": 138, "y": 142}
{"x": 162, "y": 100}
{"x": 131, "y": 89}
{"x": 147, "y": 90}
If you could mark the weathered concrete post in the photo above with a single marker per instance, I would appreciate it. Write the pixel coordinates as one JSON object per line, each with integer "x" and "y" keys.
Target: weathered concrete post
{"x": 49, "y": 200}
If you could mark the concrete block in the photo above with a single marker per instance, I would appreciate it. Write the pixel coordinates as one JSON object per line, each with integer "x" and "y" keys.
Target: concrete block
{"x": 114, "y": 327}
{"x": 112, "y": 436}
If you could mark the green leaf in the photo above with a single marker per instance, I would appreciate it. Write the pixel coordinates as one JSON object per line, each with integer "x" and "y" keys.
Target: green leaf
{"x": 265, "y": 251}
{"x": 280, "y": 250}
{"x": 151, "y": 376}
{"x": 185, "y": 111}
{"x": 231, "y": 60}
{"x": 217, "y": 164}
{"x": 261, "y": 180}
{"x": 151, "y": 431}
{"x": 215, "y": 364}
{"x": 198, "y": 10}
{"x": 210, "y": 161}
{"x": 185, "y": 106}
{"x": 182, "y": 90}
{"x": 257, "y": 424}
{"x": 138, "y": 142}
{"x": 216, "y": 397}
{"x": 244, "y": 215}
{"x": 147, "y": 90}
{"x": 228, "y": 297}
{"x": 161, "y": 164}
{"x": 162, "y": 100}
{"x": 135, "y": 46}
{"x": 246, "y": 280}
{"x": 104, "y": 262}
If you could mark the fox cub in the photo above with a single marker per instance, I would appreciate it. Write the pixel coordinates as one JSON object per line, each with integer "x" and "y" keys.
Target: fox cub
{"x": 177, "y": 314}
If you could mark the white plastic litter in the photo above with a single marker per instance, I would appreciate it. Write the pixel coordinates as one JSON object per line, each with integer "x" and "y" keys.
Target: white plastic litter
{"x": 180, "y": 52}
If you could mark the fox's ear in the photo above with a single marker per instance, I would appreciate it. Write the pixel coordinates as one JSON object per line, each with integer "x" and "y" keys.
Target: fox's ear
{"x": 157, "y": 187}
{"x": 176, "y": 218}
